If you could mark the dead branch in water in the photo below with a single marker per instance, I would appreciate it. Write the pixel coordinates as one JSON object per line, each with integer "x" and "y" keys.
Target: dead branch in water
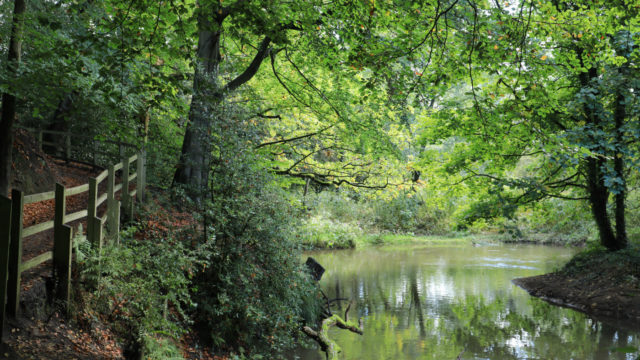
{"x": 330, "y": 348}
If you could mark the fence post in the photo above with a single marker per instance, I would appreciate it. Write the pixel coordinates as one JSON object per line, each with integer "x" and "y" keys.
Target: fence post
{"x": 91, "y": 212}
{"x": 40, "y": 139}
{"x": 59, "y": 212}
{"x": 124, "y": 194}
{"x": 15, "y": 253}
{"x": 116, "y": 212}
{"x": 113, "y": 206}
{"x": 62, "y": 247}
{"x": 94, "y": 148}
{"x": 140, "y": 177}
{"x": 5, "y": 241}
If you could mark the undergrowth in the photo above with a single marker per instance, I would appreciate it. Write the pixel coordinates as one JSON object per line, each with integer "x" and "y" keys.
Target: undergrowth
{"x": 624, "y": 262}
{"x": 142, "y": 288}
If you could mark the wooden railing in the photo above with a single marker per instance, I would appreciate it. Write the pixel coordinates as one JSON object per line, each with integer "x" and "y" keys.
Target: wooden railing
{"x": 131, "y": 170}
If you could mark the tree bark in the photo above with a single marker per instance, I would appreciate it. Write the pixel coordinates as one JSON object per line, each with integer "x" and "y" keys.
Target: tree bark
{"x": 8, "y": 116}
{"x": 598, "y": 191}
{"x": 193, "y": 169}
{"x": 618, "y": 166}
{"x": 598, "y": 198}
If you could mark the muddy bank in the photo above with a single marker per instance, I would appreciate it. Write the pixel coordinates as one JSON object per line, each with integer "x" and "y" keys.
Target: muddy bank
{"x": 598, "y": 283}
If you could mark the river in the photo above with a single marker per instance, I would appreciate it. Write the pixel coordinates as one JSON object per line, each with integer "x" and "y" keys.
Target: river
{"x": 441, "y": 302}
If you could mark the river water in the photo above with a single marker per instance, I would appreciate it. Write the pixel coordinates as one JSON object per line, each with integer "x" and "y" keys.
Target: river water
{"x": 441, "y": 302}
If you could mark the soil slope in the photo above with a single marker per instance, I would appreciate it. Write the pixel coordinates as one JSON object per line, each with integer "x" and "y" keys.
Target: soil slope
{"x": 599, "y": 283}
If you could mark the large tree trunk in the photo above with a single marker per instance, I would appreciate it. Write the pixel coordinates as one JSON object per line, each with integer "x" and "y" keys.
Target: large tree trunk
{"x": 193, "y": 169}
{"x": 9, "y": 100}
{"x": 598, "y": 198}
{"x": 618, "y": 166}
{"x": 208, "y": 93}
{"x": 598, "y": 191}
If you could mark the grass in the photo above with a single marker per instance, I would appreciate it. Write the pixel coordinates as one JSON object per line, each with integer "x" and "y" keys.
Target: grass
{"x": 410, "y": 239}
{"x": 620, "y": 264}
{"x": 359, "y": 239}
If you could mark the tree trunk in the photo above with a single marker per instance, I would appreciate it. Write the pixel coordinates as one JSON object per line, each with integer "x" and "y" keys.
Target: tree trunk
{"x": 618, "y": 166}
{"x": 208, "y": 93}
{"x": 193, "y": 169}
{"x": 9, "y": 100}
{"x": 598, "y": 198}
{"x": 598, "y": 191}
{"x": 59, "y": 122}
{"x": 327, "y": 345}
{"x": 145, "y": 117}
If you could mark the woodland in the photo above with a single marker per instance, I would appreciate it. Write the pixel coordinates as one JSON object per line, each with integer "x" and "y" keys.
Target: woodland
{"x": 273, "y": 127}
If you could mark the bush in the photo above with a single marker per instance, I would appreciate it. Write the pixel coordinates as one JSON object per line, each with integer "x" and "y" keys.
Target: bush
{"x": 255, "y": 293}
{"x": 252, "y": 296}
{"x": 321, "y": 233}
{"x": 557, "y": 221}
{"x": 142, "y": 287}
{"x": 340, "y": 216}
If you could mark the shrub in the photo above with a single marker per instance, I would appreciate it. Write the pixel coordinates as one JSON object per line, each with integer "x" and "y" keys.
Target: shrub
{"x": 322, "y": 233}
{"x": 255, "y": 292}
{"x": 252, "y": 296}
{"x": 142, "y": 287}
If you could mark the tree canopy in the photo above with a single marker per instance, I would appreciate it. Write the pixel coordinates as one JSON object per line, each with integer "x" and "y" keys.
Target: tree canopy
{"x": 368, "y": 94}
{"x": 417, "y": 109}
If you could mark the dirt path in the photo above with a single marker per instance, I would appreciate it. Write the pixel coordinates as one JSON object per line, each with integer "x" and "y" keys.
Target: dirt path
{"x": 34, "y": 334}
{"x": 39, "y": 332}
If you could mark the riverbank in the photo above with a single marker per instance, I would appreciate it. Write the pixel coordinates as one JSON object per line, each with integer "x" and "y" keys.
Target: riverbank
{"x": 596, "y": 282}
{"x": 351, "y": 239}
{"x": 333, "y": 242}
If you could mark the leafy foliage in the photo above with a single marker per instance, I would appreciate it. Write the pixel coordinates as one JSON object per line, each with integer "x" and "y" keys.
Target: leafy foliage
{"x": 255, "y": 292}
{"x": 143, "y": 288}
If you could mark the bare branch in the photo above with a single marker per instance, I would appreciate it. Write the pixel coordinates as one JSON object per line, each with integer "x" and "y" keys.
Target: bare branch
{"x": 295, "y": 138}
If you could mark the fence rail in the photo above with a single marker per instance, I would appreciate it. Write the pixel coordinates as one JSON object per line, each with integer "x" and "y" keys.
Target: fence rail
{"x": 12, "y": 232}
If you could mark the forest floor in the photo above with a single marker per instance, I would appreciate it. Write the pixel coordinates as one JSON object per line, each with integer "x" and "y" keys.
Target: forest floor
{"x": 602, "y": 284}
{"x": 40, "y": 331}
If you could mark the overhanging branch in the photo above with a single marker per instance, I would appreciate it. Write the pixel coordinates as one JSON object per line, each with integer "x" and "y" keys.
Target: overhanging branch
{"x": 252, "y": 69}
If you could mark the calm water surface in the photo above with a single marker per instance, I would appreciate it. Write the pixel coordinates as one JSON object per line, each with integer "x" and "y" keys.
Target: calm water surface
{"x": 437, "y": 302}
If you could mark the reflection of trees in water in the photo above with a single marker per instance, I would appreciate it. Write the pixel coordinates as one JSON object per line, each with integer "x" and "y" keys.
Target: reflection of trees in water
{"x": 398, "y": 324}
{"x": 498, "y": 331}
{"x": 416, "y": 304}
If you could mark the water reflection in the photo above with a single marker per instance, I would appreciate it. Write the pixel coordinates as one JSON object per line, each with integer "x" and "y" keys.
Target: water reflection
{"x": 439, "y": 302}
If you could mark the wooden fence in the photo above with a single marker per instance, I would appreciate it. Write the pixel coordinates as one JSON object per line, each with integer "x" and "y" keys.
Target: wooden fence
{"x": 130, "y": 172}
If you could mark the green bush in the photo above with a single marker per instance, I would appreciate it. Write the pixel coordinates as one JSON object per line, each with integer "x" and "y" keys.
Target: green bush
{"x": 342, "y": 205}
{"x": 408, "y": 212}
{"x": 255, "y": 293}
{"x": 142, "y": 287}
{"x": 252, "y": 296}
{"x": 321, "y": 233}
{"x": 161, "y": 349}
{"x": 557, "y": 221}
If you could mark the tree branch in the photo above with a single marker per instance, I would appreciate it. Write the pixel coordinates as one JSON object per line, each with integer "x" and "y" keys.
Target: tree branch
{"x": 252, "y": 69}
{"x": 295, "y": 138}
{"x": 327, "y": 345}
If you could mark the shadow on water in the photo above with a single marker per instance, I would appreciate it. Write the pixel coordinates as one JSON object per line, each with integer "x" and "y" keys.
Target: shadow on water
{"x": 436, "y": 303}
